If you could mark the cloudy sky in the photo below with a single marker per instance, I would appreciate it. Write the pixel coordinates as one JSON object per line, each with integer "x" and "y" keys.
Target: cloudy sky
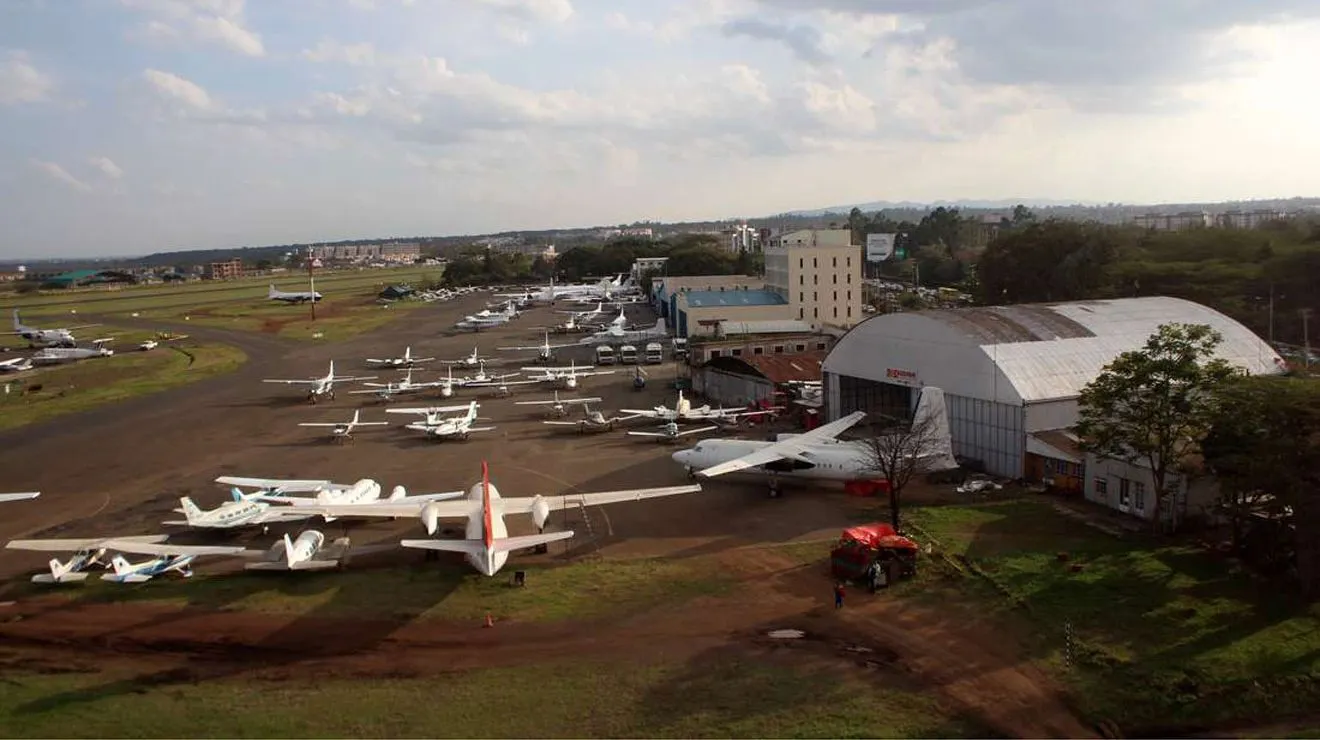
{"x": 132, "y": 126}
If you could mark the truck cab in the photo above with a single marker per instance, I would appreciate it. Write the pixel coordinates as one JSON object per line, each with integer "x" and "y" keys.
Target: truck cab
{"x": 680, "y": 348}
{"x": 604, "y": 354}
{"x": 655, "y": 353}
{"x": 627, "y": 355}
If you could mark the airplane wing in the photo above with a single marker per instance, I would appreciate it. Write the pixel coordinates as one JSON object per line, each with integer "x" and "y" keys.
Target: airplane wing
{"x": 294, "y": 382}
{"x": 18, "y": 496}
{"x": 281, "y": 514}
{"x": 288, "y": 486}
{"x": 524, "y": 505}
{"x": 71, "y": 545}
{"x": 339, "y": 379}
{"x": 638, "y": 413}
{"x": 791, "y": 448}
{"x": 564, "y": 423}
{"x": 163, "y": 550}
{"x": 455, "y": 509}
{"x": 495, "y": 383}
{"x": 430, "y": 409}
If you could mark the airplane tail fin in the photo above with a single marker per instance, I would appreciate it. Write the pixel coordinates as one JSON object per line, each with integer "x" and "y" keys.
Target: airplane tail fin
{"x": 332, "y": 369}
{"x": 120, "y": 565}
{"x": 190, "y": 510}
{"x": 18, "y": 325}
{"x": 288, "y": 549}
{"x": 357, "y": 417}
{"x": 487, "y": 536}
{"x": 932, "y": 411}
{"x": 58, "y": 570}
{"x": 273, "y": 292}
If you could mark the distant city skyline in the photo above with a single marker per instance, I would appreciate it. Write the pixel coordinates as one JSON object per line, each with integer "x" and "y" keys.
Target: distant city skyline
{"x": 139, "y": 126}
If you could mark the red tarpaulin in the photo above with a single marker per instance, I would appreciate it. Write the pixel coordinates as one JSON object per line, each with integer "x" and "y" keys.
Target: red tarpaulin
{"x": 866, "y": 487}
{"x": 877, "y": 536}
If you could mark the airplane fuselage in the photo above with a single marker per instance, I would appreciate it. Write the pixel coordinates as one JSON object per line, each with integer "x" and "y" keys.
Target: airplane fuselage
{"x": 487, "y": 562}
{"x": 836, "y": 461}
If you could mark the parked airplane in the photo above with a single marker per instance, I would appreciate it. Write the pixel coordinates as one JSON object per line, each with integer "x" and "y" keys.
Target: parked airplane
{"x": 364, "y": 491}
{"x": 565, "y": 376}
{"x": 39, "y": 338}
{"x": 617, "y": 334}
{"x": 592, "y": 421}
{"x": 482, "y": 378}
{"x": 245, "y": 510}
{"x": 90, "y": 552}
{"x": 323, "y": 386}
{"x": 487, "y": 543}
{"x": 385, "y": 391}
{"x": 18, "y": 496}
{"x": 16, "y": 365}
{"x": 599, "y": 310}
{"x": 301, "y": 554}
{"x": 400, "y": 362}
{"x": 444, "y": 428}
{"x": 471, "y": 360}
{"x": 59, "y": 355}
{"x": 817, "y": 454}
{"x": 558, "y": 406}
{"x": 684, "y": 411}
{"x": 302, "y": 296}
{"x": 343, "y": 431}
{"x": 171, "y": 558}
{"x": 670, "y": 432}
{"x": 544, "y": 352}
{"x": 486, "y": 319}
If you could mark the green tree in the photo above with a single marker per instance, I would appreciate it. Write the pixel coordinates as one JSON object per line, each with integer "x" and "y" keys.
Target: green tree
{"x": 1153, "y": 406}
{"x": 1052, "y": 260}
{"x": 1264, "y": 449}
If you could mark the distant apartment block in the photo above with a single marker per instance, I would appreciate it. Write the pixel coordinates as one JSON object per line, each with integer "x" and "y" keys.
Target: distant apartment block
{"x": 393, "y": 252}
{"x": 1175, "y": 221}
{"x": 545, "y": 251}
{"x": 1249, "y": 219}
{"x": 227, "y": 270}
{"x": 819, "y": 273}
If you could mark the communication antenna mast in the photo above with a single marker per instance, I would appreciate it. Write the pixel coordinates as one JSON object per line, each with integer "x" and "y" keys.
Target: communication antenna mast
{"x": 311, "y": 279}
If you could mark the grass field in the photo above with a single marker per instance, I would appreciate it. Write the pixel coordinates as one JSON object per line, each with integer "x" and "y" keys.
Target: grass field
{"x": 85, "y": 384}
{"x": 349, "y": 306}
{"x": 1167, "y": 637}
{"x": 722, "y": 695}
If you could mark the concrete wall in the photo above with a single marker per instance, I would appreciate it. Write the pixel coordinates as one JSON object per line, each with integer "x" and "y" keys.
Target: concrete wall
{"x": 1046, "y": 415}
{"x": 1105, "y": 486}
{"x": 731, "y": 389}
{"x": 727, "y": 313}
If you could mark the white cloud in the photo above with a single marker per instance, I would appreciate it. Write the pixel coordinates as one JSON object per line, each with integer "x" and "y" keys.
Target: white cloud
{"x": 178, "y": 89}
{"x": 219, "y": 22}
{"x": 20, "y": 82}
{"x": 547, "y": 11}
{"x": 107, "y": 167}
{"x": 744, "y": 80}
{"x": 354, "y": 55}
{"x": 56, "y": 172}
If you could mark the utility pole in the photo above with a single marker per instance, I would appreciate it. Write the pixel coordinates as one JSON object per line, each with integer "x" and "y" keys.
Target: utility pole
{"x": 311, "y": 280}
{"x": 1271, "y": 314}
{"x": 1306, "y": 339}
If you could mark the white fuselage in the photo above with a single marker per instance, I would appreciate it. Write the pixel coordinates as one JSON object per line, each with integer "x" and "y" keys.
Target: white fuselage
{"x": 487, "y": 562}
{"x": 838, "y": 461}
{"x": 305, "y": 547}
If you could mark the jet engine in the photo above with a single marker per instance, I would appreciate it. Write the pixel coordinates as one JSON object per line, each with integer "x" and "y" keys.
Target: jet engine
{"x": 446, "y": 391}
{"x": 540, "y": 512}
{"x": 430, "y": 517}
{"x": 570, "y": 382}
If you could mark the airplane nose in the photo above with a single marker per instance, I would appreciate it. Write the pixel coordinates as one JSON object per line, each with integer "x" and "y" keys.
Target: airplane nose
{"x": 680, "y": 457}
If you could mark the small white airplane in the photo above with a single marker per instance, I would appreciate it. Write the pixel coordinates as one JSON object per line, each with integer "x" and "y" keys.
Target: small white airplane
{"x": 40, "y": 338}
{"x": 444, "y": 428}
{"x": 558, "y": 406}
{"x": 364, "y": 491}
{"x": 544, "y": 352}
{"x": 343, "y": 431}
{"x": 482, "y": 378}
{"x": 301, "y": 554}
{"x": 618, "y": 334}
{"x": 591, "y": 421}
{"x": 487, "y": 543}
{"x": 486, "y": 319}
{"x": 670, "y": 432}
{"x": 90, "y": 552}
{"x": 245, "y": 510}
{"x": 386, "y": 391}
{"x": 566, "y": 377}
{"x": 16, "y": 365}
{"x": 301, "y": 296}
{"x": 599, "y": 310}
{"x": 407, "y": 360}
{"x": 18, "y": 496}
{"x": 323, "y": 386}
{"x": 817, "y": 454}
{"x": 471, "y": 360}
{"x": 684, "y": 411}
{"x": 172, "y": 558}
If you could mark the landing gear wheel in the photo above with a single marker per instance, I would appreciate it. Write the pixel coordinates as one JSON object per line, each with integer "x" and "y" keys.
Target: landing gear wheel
{"x": 774, "y": 489}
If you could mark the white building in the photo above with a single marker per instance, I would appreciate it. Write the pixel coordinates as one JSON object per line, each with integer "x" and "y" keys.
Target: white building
{"x": 1011, "y": 374}
{"x": 819, "y": 274}
{"x": 1175, "y": 221}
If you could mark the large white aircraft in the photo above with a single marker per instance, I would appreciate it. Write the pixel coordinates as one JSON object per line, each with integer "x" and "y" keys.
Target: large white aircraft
{"x": 302, "y": 553}
{"x": 684, "y": 411}
{"x": 444, "y": 428}
{"x": 558, "y": 406}
{"x": 91, "y": 551}
{"x": 386, "y": 391}
{"x": 566, "y": 377}
{"x": 364, "y": 491}
{"x": 168, "y": 560}
{"x": 322, "y": 386}
{"x": 486, "y": 319}
{"x": 342, "y": 431}
{"x": 301, "y": 296}
{"x": 592, "y": 421}
{"x": 245, "y": 510}
{"x": 818, "y": 454}
{"x": 407, "y": 360}
{"x": 18, "y": 496}
{"x": 62, "y": 337}
{"x": 670, "y": 432}
{"x": 487, "y": 543}
{"x": 616, "y": 334}
{"x": 545, "y": 352}
{"x": 60, "y": 355}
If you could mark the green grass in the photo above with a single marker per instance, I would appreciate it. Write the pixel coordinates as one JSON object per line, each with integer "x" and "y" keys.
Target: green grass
{"x": 67, "y": 389}
{"x": 580, "y": 590}
{"x": 712, "y": 696}
{"x": 1165, "y": 635}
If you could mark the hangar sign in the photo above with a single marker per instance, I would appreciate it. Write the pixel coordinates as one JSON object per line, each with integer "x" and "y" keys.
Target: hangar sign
{"x": 906, "y": 377}
{"x": 879, "y": 247}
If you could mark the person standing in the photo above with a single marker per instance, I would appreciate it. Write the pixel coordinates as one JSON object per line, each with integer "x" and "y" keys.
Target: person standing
{"x": 838, "y": 595}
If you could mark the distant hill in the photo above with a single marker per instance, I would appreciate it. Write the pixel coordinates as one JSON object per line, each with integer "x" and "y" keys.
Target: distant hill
{"x": 909, "y": 205}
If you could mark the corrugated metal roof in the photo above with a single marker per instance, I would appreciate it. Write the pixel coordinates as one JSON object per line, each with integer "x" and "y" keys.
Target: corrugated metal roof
{"x": 786, "y": 368}
{"x": 707, "y": 298}
{"x": 1055, "y": 443}
{"x": 771, "y": 326}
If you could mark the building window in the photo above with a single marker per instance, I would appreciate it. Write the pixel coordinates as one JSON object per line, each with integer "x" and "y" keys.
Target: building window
{"x": 836, "y": 296}
{"x": 834, "y": 278}
{"x": 849, "y": 262}
{"x": 849, "y": 278}
{"x": 815, "y": 279}
{"x": 815, "y": 296}
{"x": 799, "y": 348}
{"x": 799, "y": 313}
{"x": 713, "y": 354}
{"x": 758, "y": 350}
{"x": 850, "y": 311}
{"x": 815, "y": 313}
{"x": 850, "y": 296}
{"x": 834, "y": 262}
{"x": 1139, "y": 495}
{"x": 814, "y": 262}
{"x": 736, "y": 352}
{"x": 1124, "y": 493}
{"x": 820, "y": 346}
{"x": 802, "y": 297}
{"x": 1101, "y": 489}
{"x": 779, "y": 349}
{"x": 802, "y": 279}
{"x": 836, "y": 312}
{"x": 800, "y": 263}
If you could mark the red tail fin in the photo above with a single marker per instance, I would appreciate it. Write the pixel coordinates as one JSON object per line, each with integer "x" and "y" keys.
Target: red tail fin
{"x": 487, "y": 535}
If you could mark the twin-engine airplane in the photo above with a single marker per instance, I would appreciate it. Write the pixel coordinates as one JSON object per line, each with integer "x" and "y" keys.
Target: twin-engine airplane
{"x": 308, "y": 552}
{"x": 566, "y": 377}
{"x": 558, "y": 406}
{"x": 90, "y": 552}
{"x": 591, "y": 421}
{"x": 41, "y": 338}
{"x": 438, "y": 427}
{"x": 342, "y": 431}
{"x": 407, "y": 360}
{"x": 545, "y": 352}
{"x": 363, "y": 492}
{"x": 670, "y": 432}
{"x": 487, "y": 543}
{"x": 301, "y": 296}
{"x": 386, "y": 391}
{"x": 322, "y": 386}
{"x": 684, "y": 411}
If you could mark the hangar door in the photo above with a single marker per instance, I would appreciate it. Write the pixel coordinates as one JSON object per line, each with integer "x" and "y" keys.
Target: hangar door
{"x": 732, "y": 389}
{"x": 873, "y": 397}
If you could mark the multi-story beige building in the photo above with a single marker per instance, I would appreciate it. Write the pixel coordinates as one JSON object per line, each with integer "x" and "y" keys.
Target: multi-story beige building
{"x": 819, "y": 273}
{"x": 1175, "y": 221}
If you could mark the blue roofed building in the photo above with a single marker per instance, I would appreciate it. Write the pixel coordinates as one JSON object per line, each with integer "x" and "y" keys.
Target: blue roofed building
{"x": 700, "y": 312}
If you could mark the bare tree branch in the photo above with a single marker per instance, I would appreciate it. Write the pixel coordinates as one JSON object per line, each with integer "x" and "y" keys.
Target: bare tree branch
{"x": 901, "y": 449}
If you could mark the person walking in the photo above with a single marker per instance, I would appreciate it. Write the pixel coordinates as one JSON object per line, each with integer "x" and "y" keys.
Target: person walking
{"x": 838, "y": 595}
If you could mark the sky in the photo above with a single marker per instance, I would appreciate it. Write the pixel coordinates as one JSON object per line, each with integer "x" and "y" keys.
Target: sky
{"x": 134, "y": 126}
